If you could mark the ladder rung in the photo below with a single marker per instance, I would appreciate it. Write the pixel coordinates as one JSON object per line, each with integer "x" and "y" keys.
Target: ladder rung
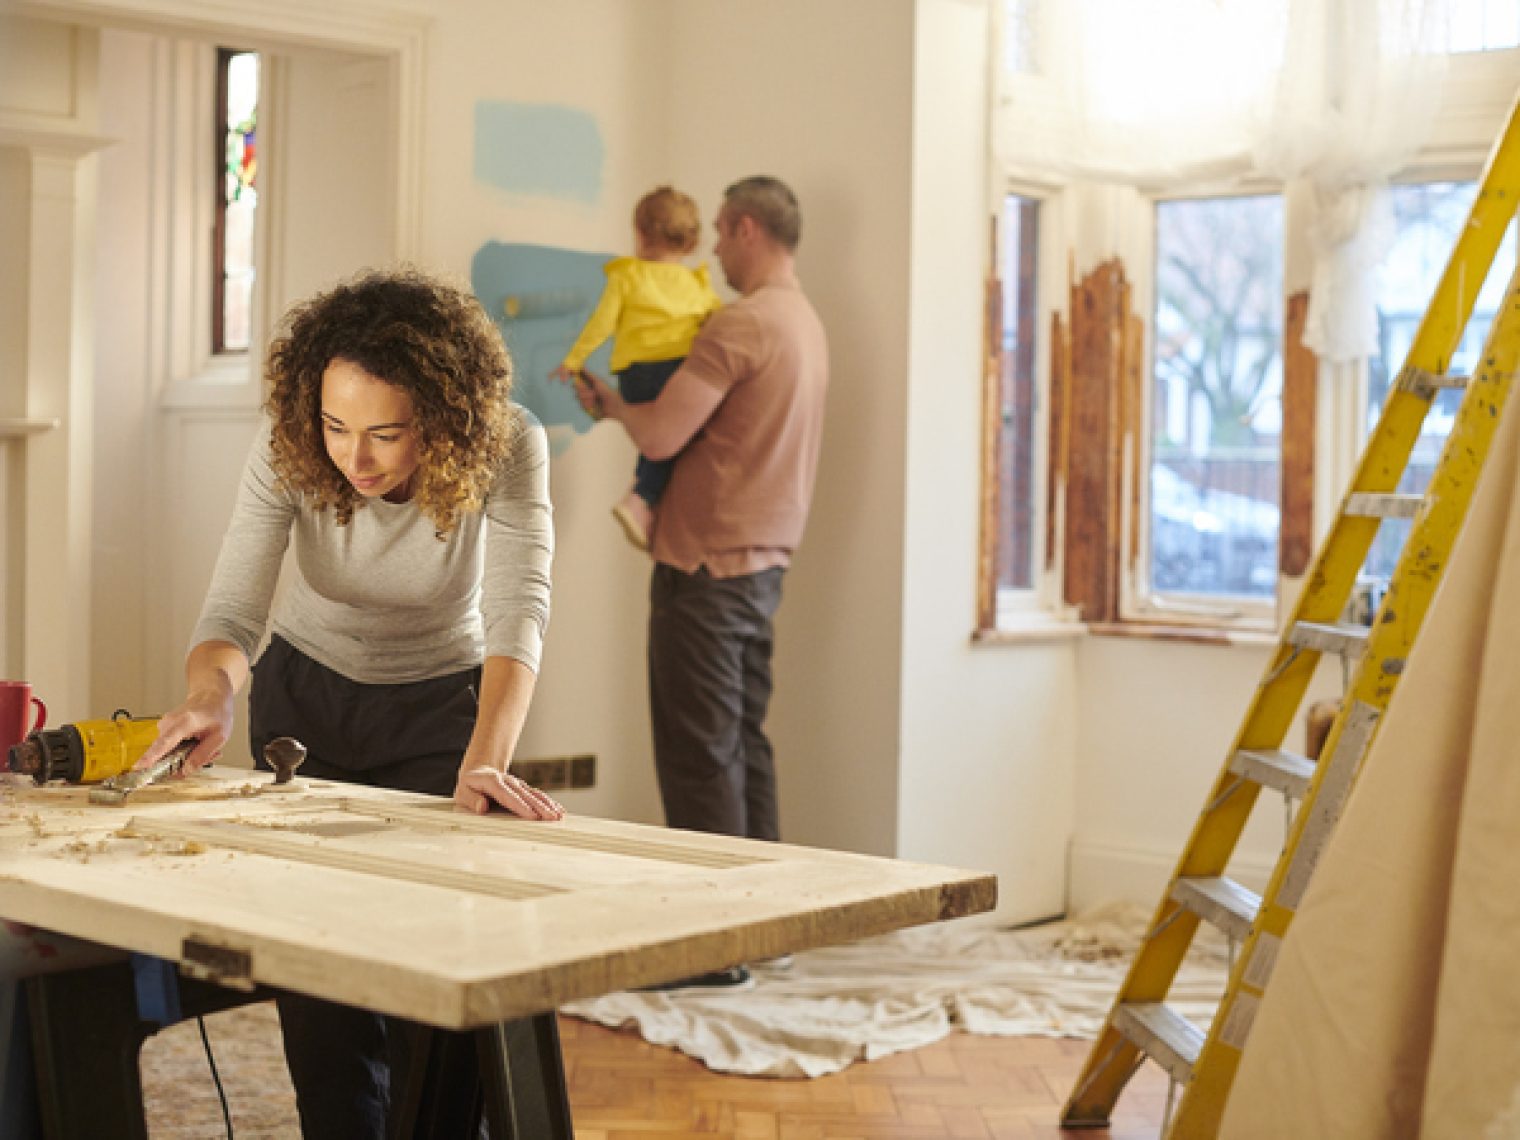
{"x": 1423, "y": 383}
{"x": 1347, "y": 640}
{"x": 1162, "y": 1034}
{"x": 1286, "y": 772}
{"x": 1371, "y": 505}
{"x": 1222, "y": 902}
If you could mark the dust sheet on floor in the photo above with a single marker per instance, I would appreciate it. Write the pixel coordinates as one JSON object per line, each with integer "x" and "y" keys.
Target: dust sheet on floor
{"x": 832, "y": 1007}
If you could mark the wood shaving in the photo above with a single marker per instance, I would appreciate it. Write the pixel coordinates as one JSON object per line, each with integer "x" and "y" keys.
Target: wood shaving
{"x": 267, "y": 822}
{"x": 174, "y": 847}
{"x": 81, "y": 850}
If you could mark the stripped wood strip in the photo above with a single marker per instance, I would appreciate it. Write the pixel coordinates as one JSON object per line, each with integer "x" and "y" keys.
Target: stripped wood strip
{"x": 444, "y": 817}
{"x": 300, "y": 848}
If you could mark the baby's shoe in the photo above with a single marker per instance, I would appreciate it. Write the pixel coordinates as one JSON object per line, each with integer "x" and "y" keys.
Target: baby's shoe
{"x": 636, "y": 518}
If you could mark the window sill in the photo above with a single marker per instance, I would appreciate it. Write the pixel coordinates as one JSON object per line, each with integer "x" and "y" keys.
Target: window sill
{"x": 1195, "y": 634}
{"x": 1031, "y": 629}
{"x": 225, "y": 382}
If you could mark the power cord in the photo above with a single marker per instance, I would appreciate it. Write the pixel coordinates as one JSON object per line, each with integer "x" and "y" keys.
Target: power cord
{"x": 216, "y": 1077}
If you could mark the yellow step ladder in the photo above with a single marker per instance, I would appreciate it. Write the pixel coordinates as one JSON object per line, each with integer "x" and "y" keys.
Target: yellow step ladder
{"x": 1141, "y": 1024}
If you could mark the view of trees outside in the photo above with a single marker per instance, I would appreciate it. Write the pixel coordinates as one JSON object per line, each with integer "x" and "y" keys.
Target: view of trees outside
{"x": 1427, "y": 216}
{"x": 1216, "y": 426}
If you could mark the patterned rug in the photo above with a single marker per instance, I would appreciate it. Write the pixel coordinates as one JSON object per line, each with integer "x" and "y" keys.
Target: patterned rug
{"x": 180, "y": 1096}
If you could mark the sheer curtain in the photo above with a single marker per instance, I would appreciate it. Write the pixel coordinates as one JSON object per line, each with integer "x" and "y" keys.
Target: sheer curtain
{"x": 1336, "y": 93}
{"x": 1355, "y": 101}
{"x": 1139, "y": 92}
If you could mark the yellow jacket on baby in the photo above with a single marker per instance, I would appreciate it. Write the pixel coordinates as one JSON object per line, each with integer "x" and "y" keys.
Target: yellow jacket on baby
{"x": 652, "y": 309}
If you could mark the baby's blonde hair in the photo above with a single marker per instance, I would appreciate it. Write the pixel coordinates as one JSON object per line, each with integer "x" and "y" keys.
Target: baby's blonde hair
{"x": 669, "y": 218}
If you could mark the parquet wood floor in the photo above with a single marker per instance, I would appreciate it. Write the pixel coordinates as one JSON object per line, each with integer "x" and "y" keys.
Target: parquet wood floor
{"x": 966, "y": 1086}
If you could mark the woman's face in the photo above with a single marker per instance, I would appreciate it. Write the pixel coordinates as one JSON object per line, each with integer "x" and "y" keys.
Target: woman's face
{"x": 369, "y": 430}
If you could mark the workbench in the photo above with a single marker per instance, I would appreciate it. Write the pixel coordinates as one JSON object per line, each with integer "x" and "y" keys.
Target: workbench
{"x": 401, "y": 904}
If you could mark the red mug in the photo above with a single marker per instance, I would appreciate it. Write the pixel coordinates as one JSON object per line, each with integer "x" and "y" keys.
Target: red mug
{"x": 15, "y": 707}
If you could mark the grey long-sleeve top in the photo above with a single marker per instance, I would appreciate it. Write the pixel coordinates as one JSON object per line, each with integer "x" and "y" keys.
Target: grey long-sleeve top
{"x": 383, "y": 600}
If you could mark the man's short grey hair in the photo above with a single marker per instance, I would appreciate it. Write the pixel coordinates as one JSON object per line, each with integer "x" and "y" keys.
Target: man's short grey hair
{"x": 771, "y": 203}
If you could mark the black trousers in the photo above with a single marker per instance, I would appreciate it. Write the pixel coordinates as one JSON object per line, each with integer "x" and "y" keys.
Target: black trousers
{"x": 710, "y": 643}
{"x": 411, "y": 737}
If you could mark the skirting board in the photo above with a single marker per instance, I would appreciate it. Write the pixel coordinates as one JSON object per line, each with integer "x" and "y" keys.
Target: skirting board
{"x": 1102, "y": 873}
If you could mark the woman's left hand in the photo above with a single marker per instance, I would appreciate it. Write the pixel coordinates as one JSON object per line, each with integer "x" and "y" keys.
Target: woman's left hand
{"x": 478, "y": 788}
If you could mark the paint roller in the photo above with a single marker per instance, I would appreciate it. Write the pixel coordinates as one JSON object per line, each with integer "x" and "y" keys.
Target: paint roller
{"x": 544, "y": 303}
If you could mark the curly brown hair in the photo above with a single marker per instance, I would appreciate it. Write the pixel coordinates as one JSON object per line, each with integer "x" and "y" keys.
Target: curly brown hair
{"x": 429, "y": 338}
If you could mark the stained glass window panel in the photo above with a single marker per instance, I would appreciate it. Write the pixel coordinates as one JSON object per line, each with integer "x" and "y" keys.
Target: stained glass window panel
{"x": 240, "y": 199}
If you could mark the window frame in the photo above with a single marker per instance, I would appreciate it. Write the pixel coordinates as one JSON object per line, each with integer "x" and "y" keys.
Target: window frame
{"x": 186, "y": 295}
{"x": 1139, "y": 602}
{"x": 1004, "y": 611}
{"x": 1331, "y": 399}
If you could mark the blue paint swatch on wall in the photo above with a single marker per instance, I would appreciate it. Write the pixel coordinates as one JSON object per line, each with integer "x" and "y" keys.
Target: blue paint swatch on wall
{"x": 538, "y": 148}
{"x": 540, "y": 296}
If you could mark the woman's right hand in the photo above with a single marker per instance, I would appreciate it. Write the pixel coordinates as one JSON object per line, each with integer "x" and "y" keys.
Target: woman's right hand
{"x": 214, "y": 672}
{"x": 205, "y": 716}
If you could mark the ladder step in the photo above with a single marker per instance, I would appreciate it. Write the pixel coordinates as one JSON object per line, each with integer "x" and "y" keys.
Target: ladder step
{"x": 1347, "y": 640}
{"x": 1222, "y": 902}
{"x": 1423, "y": 383}
{"x": 1162, "y": 1034}
{"x": 1286, "y": 772}
{"x": 1366, "y": 504}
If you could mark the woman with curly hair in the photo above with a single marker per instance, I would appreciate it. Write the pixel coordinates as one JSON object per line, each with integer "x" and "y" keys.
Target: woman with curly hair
{"x": 405, "y": 644}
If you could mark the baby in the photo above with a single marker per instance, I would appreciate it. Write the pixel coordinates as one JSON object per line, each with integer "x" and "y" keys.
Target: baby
{"x": 652, "y": 306}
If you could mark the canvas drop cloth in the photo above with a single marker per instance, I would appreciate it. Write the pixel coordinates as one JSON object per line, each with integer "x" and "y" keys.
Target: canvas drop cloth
{"x": 1394, "y": 1009}
{"x": 869, "y": 999}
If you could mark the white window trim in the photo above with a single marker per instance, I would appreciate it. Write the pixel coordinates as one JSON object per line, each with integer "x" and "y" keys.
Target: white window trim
{"x": 1039, "y": 608}
{"x": 182, "y": 206}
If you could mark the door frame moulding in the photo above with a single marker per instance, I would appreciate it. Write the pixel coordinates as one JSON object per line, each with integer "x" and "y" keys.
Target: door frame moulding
{"x": 397, "y": 34}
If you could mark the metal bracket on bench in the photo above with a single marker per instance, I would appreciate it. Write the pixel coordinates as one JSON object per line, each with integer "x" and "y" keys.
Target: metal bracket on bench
{"x": 224, "y": 965}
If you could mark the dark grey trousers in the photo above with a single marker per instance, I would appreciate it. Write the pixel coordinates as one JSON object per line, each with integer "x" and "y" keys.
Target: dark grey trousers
{"x": 710, "y": 642}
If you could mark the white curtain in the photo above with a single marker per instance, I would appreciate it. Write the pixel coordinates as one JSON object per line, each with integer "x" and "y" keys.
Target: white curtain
{"x": 1140, "y": 92}
{"x": 1337, "y": 93}
{"x": 1354, "y": 102}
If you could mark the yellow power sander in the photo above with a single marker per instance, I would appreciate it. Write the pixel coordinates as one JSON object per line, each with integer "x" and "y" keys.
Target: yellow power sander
{"x": 97, "y": 752}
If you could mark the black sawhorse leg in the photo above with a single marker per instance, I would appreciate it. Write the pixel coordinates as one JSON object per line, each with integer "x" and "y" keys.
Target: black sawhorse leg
{"x": 521, "y": 1093}
{"x": 86, "y": 1035}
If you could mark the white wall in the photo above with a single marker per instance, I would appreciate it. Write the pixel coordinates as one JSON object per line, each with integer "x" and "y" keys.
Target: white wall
{"x": 47, "y": 116}
{"x": 792, "y": 89}
{"x": 126, "y": 438}
{"x": 333, "y": 172}
{"x": 987, "y": 730}
{"x": 1158, "y": 719}
{"x": 593, "y": 55}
